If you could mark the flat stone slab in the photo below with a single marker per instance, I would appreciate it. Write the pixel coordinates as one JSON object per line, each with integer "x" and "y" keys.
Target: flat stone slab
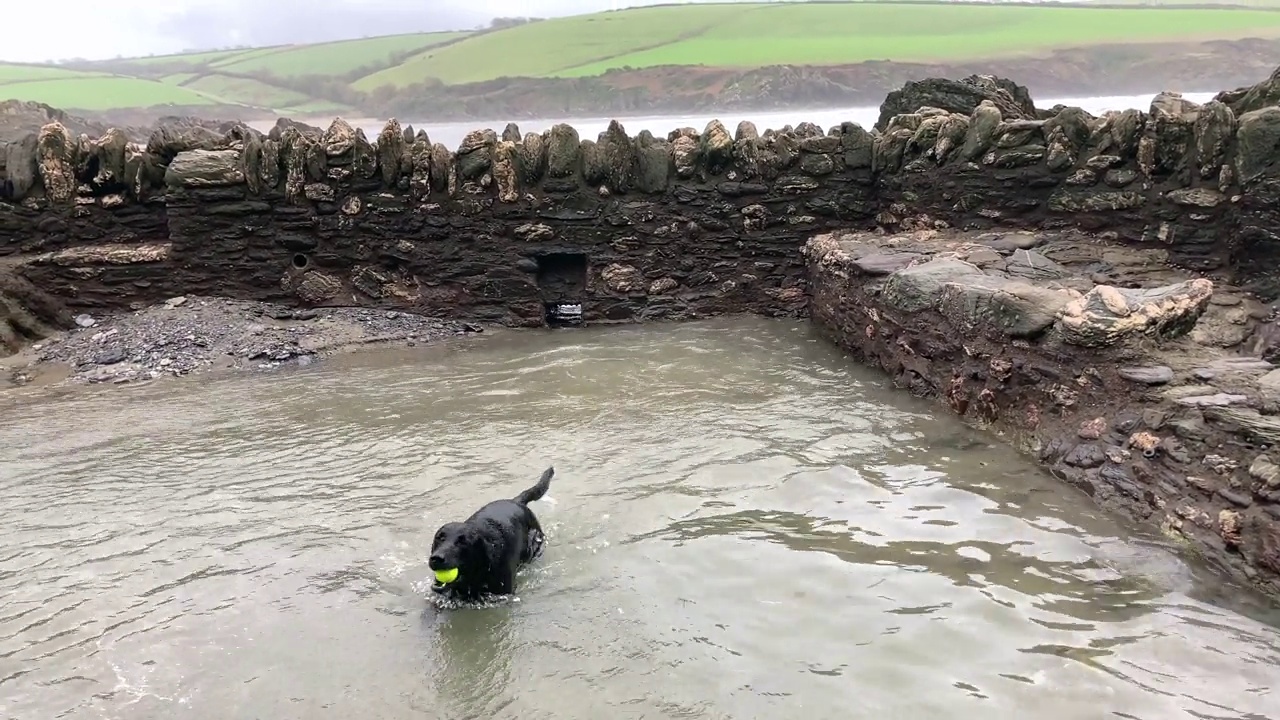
{"x": 885, "y": 263}
{"x": 1150, "y": 375}
{"x": 1215, "y": 400}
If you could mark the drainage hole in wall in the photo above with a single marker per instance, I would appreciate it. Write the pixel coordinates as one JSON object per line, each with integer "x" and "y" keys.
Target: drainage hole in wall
{"x": 300, "y": 261}
{"x": 563, "y": 314}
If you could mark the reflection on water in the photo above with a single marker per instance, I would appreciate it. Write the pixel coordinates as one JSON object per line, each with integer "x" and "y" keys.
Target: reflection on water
{"x": 743, "y": 524}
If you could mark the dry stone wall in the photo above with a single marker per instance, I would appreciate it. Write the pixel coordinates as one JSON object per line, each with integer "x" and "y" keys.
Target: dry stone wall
{"x": 696, "y": 223}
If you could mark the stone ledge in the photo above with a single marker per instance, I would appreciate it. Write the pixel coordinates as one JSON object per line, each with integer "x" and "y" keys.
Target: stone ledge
{"x": 1124, "y": 377}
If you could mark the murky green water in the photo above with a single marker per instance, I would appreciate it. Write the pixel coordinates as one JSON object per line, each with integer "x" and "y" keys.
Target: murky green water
{"x": 744, "y": 524}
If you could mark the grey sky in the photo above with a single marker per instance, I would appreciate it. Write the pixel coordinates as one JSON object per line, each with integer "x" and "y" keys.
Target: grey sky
{"x": 93, "y": 29}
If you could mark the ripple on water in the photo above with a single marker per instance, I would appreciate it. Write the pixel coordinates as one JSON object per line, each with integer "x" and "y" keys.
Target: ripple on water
{"x": 743, "y": 524}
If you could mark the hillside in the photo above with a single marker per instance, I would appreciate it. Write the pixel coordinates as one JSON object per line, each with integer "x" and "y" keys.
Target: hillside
{"x": 679, "y": 57}
{"x": 299, "y": 79}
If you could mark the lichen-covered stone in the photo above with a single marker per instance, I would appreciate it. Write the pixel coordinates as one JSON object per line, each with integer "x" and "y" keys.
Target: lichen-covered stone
{"x": 984, "y": 123}
{"x": 616, "y": 155}
{"x": 653, "y": 163}
{"x": 269, "y": 172}
{"x": 475, "y": 154}
{"x": 622, "y": 278}
{"x": 857, "y": 146}
{"x": 422, "y": 178}
{"x": 1215, "y": 126}
{"x": 58, "y": 157}
{"x": 316, "y": 158}
{"x": 444, "y": 174}
{"x": 251, "y": 162}
{"x": 1171, "y": 131}
{"x": 1106, "y": 315}
{"x": 716, "y": 147}
{"x": 296, "y": 149}
{"x": 319, "y": 192}
{"x": 531, "y": 158}
{"x": 205, "y": 168}
{"x": 958, "y": 96}
{"x": 1257, "y": 144}
{"x": 109, "y": 150}
{"x": 390, "y": 151}
{"x": 339, "y": 139}
{"x": 685, "y": 155}
{"x": 1094, "y": 201}
{"x": 170, "y": 139}
{"x": 563, "y": 148}
{"x": 364, "y": 157}
{"x": 504, "y": 171}
{"x": 315, "y": 287}
{"x": 22, "y": 165}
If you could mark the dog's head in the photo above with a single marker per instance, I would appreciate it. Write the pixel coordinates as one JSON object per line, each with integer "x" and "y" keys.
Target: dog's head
{"x": 456, "y": 545}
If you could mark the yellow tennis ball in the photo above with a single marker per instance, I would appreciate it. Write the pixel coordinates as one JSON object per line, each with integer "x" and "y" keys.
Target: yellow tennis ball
{"x": 447, "y": 576}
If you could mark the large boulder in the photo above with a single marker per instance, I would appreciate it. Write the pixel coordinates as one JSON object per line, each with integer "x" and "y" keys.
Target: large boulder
{"x": 959, "y": 96}
{"x": 1257, "y": 144}
{"x": 1253, "y": 97}
{"x": 22, "y": 165}
{"x": 1106, "y": 315}
{"x": 973, "y": 301}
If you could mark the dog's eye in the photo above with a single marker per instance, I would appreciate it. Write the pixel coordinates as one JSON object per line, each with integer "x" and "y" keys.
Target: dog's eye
{"x": 440, "y": 536}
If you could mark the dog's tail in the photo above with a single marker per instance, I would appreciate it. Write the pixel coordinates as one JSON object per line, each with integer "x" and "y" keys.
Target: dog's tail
{"x": 537, "y": 491}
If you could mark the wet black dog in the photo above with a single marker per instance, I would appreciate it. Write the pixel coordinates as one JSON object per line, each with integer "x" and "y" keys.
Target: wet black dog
{"x": 488, "y": 547}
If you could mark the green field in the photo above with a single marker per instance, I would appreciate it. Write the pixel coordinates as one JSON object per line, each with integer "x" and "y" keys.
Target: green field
{"x": 103, "y": 93}
{"x": 245, "y": 91}
{"x": 803, "y": 34}
{"x": 28, "y": 73}
{"x": 336, "y": 58}
{"x": 199, "y": 59}
{"x": 318, "y": 77}
{"x": 546, "y": 48}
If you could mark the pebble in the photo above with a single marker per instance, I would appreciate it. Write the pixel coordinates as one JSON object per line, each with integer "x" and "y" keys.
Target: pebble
{"x": 85, "y": 321}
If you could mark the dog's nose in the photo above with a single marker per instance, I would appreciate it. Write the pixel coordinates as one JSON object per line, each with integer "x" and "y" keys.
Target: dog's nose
{"x": 434, "y": 562}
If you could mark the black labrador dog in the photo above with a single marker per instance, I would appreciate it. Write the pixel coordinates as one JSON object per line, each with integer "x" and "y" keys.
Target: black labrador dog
{"x": 480, "y": 555}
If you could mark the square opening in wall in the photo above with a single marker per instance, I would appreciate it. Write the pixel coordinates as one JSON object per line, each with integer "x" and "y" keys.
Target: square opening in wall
{"x": 562, "y": 285}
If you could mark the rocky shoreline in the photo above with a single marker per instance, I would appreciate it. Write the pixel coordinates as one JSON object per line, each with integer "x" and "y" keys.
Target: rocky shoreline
{"x": 1150, "y": 388}
{"x": 188, "y": 335}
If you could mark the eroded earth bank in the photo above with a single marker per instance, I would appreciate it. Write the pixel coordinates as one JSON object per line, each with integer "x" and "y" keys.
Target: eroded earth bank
{"x": 1098, "y": 289}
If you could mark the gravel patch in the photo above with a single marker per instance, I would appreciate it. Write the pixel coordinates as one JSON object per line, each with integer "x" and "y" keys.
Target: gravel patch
{"x": 186, "y": 335}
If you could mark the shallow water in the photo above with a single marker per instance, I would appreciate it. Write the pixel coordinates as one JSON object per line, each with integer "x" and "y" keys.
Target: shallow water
{"x": 744, "y": 524}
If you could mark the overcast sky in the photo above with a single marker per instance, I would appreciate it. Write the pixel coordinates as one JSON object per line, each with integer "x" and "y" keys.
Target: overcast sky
{"x": 98, "y": 29}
